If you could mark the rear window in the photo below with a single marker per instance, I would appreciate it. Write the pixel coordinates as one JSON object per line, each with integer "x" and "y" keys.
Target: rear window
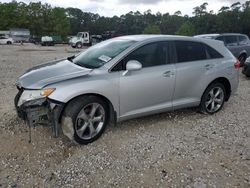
{"x": 243, "y": 39}
{"x": 212, "y": 53}
{"x": 190, "y": 51}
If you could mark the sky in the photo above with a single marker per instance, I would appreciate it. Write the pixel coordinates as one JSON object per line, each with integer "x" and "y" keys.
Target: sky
{"x": 110, "y": 8}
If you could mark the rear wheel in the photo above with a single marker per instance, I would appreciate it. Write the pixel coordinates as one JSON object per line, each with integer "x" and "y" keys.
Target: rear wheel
{"x": 9, "y": 42}
{"x": 89, "y": 118}
{"x": 213, "y": 99}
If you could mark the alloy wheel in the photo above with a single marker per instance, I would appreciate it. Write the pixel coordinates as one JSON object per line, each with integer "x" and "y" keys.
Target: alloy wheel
{"x": 90, "y": 121}
{"x": 215, "y": 99}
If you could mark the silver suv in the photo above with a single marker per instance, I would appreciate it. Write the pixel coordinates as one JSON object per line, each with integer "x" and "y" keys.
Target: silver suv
{"x": 238, "y": 44}
{"x": 124, "y": 78}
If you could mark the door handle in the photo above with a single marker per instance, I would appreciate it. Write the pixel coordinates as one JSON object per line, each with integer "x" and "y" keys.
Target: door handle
{"x": 168, "y": 74}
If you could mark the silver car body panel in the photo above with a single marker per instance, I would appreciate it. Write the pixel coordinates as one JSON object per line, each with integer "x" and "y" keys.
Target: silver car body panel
{"x": 146, "y": 91}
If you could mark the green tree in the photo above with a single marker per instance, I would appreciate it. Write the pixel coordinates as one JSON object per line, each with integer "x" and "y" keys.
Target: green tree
{"x": 152, "y": 29}
{"x": 187, "y": 29}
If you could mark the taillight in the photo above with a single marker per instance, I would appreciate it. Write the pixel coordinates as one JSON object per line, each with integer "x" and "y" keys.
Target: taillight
{"x": 237, "y": 64}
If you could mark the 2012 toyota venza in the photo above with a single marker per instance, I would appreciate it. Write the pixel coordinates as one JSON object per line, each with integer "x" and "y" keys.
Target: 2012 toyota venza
{"x": 124, "y": 78}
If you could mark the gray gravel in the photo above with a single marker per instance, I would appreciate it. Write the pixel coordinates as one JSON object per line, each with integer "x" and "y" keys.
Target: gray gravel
{"x": 176, "y": 149}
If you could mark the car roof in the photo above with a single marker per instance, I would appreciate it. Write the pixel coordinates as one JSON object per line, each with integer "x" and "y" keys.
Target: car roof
{"x": 139, "y": 38}
{"x": 207, "y": 35}
{"x": 213, "y": 35}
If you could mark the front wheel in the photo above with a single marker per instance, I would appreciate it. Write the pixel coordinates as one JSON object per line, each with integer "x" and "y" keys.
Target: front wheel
{"x": 213, "y": 99}
{"x": 89, "y": 118}
{"x": 79, "y": 45}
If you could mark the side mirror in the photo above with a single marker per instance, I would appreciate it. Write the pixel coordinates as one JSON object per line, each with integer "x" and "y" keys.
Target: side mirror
{"x": 132, "y": 65}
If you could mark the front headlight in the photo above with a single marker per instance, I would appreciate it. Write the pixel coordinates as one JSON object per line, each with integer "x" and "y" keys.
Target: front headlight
{"x": 29, "y": 95}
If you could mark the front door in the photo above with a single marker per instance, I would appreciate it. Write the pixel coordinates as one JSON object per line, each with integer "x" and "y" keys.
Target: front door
{"x": 150, "y": 89}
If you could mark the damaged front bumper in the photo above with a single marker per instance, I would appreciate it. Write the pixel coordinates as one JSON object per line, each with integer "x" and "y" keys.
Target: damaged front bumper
{"x": 40, "y": 111}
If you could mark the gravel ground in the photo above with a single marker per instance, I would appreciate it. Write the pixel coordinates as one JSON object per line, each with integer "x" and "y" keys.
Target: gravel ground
{"x": 176, "y": 149}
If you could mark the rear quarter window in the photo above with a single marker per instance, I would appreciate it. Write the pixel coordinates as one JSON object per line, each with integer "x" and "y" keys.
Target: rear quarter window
{"x": 212, "y": 53}
{"x": 190, "y": 51}
{"x": 243, "y": 39}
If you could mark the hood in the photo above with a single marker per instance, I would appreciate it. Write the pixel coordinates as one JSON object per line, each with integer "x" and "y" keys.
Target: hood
{"x": 45, "y": 74}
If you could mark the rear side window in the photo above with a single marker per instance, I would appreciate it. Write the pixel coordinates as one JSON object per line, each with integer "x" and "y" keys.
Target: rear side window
{"x": 212, "y": 53}
{"x": 243, "y": 39}
{"x": 231, "y": 40}
{"x": 190, "y": 51}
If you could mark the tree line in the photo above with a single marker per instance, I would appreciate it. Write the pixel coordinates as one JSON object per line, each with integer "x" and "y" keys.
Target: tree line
{"x": 43, "y": 19}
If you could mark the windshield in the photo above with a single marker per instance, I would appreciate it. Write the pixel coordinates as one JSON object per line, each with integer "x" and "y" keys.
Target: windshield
{"x": 79, "y": 35}
{"x": 101, "y": 53}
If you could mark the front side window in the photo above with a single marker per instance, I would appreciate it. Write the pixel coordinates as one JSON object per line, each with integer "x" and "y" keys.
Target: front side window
{"x": 190, "y": 51}
{"x": 101, "y": 53}
{"x": 150, "y": 55}
{"x": 243, "y": 40}
{"x": 231, "y": 40}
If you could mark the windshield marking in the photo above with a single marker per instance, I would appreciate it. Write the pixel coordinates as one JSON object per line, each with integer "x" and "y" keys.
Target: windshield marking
{"x": 105, "y": 58}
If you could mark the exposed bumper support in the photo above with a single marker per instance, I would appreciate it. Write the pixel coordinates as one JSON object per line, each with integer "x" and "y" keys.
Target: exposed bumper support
{"x": 41, "y": 111}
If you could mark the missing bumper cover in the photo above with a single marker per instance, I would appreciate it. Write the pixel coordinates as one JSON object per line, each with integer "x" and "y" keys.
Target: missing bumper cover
{"x": 41, "y": 111}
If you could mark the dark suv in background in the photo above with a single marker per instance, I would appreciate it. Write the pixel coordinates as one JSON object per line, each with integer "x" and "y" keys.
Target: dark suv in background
{"x": 238, "y": 44}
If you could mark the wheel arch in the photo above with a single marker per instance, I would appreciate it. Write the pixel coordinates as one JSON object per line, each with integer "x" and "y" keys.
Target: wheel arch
{"x": 112, "y": 112}
{"x": 244, "y": 52}
{"x": 225, "y": 83}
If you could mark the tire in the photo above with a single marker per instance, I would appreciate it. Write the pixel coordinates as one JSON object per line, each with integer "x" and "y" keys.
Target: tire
{"x": 246, "y": 70}
{"x": 82, "y": 121}
{"x": 9, "y": 42}
{"x": 208, "y": 101}
{"x": 242, "y": 58}
{"x": 79, "y": 45}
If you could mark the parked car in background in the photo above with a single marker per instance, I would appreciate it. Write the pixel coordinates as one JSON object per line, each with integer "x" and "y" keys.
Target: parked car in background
{"x": 238, "y": 44}
{"x": 6, "y": 40}
{"x": 47, "y": 41}
{"x": 109, "y": 34}
{"x": 96, "y": 39}
{"x": 127, "y": 77}
{"x": 246, "y": 67}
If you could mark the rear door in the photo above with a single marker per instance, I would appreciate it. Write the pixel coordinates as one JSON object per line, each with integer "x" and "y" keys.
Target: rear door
{"x": 192, "y": 68}
{"x": 150, "y": 89}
